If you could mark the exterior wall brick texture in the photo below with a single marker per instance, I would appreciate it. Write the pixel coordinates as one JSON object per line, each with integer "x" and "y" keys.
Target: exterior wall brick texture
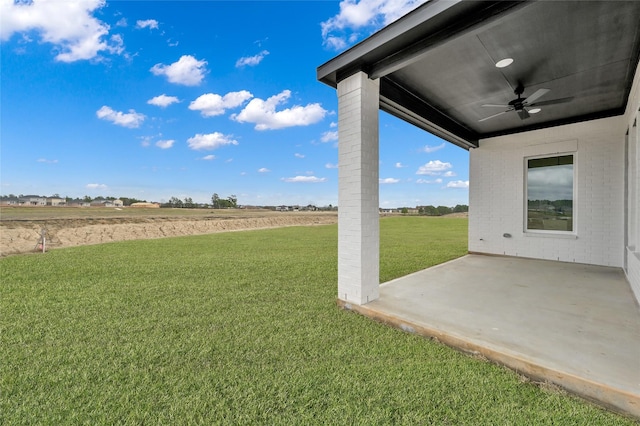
{"x": 358, "y": 218}
{"x": 497, "y": 196}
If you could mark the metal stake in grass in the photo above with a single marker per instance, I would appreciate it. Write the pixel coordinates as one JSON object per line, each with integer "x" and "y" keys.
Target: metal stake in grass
{"x": 42, "y": 241}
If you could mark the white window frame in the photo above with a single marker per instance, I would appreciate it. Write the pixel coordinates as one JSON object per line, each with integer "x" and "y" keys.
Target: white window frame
{"x": 574, "y": 216}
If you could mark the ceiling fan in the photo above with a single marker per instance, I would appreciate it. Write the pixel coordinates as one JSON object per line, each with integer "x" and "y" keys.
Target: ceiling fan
{"x": 522, "y": 106}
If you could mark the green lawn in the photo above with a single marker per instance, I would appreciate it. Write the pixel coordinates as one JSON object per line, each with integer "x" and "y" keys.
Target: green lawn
{"x": 242, "y": 328}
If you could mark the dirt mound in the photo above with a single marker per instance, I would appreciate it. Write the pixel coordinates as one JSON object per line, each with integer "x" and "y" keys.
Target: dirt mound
{"x": 461, "y": 214}
{"x": 17, "y": 236}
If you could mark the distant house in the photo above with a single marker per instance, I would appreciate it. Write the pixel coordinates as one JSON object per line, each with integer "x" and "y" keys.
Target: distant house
{"x": 55, "y": 201}
{"x": 32, "y": 200}
{"x": 78, "y": 203}
{"x": 9, "y": 201}
{"x": 100, "y": 202}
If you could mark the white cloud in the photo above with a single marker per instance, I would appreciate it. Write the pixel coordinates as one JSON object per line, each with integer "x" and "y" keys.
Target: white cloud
{"x": 122, "y": 22}
{"x": 211, "y": 104}
{"x": 400, "y": 165}
{"x": 389, "y": 180}
{"x": 251, "y": 61}
{"x": 264, "y": 114}
{"x": 329, "y": 136}
{"x": 68, "y": 25}
{"x": 354, "y": 15}
{"x": 96, "y": 186}
{"x": 297, "y": 155}
{"x": 44, "y": 160}
{"x": 147, "y": 23}
{"x": 433, "y": 168}
{"x": 165, "y": 144}
{"x": 131, "y": 119}
{"x": 210, "y": 141}
{"x": 333, "y": 125}
{"x": 438, "y": 180}
{"x": 304, "y": 179}
{"x": 429, "y": 149}
{"x": 458, "y": 184}
{"x": 146, "y": 140}
{"x": 335, "y": 43}
{"x": 550, "y": 183}
{"x": 163, "y": 100}
{"x": 117, "y": 44}
{"x": 187, "y": 71}
{"x": 263, "y": 170}
{"x": 209, "y": 157}
{"x": 331, "y": 166}
{"x": 449, "y": 174}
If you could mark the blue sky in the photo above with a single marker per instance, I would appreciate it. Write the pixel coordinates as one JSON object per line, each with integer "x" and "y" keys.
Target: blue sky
{"x": 155, "y": 99}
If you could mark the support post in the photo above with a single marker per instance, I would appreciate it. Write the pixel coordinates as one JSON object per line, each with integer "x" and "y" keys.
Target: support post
{"x": 358, "y": 200}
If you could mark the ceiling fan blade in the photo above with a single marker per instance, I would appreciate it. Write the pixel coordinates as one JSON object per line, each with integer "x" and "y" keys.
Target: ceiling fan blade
{"x": 494, "y": 115}
{"x": 523, "y": 114}
{"x": 553, "y": 101}
{"x": 495, "y": 105}
{"x": 537, "y": 94}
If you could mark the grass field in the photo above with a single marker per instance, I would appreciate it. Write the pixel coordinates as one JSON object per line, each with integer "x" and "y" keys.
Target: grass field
{"x": 242, "y": 328}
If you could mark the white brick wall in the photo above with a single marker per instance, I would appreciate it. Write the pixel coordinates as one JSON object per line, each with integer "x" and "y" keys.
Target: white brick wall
{"x": 632, "y": 251}
{"x": 633, "y": 202}
{"x": 633, "y": 272}
{"x": 497, "y": 198}
{"x": 358, "y": 217}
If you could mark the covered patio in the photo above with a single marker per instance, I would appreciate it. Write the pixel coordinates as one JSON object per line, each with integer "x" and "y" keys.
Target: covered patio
{"x": 573, "y": 325}
{"x": 545, "y": 96}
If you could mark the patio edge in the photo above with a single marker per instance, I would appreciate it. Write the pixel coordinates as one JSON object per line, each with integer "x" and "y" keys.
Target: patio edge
{"x": 619, "y": 401}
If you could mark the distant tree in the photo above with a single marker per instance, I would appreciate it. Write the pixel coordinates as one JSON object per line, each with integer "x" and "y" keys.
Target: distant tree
{"x": 215, "y": 201}
{"x": 404, "y": 210}
{"x": 175, "y": 202}
{"x": 188, "y": 203}
{"x": 233, "y": 201}
{"x": 87, "y": 199}
{"x": 427, "y": 211}
{"x": 460, "y": 208}
{"x": 442, "y": 210}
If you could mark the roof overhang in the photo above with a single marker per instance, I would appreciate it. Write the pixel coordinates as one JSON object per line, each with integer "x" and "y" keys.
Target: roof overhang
{"x": 436, "y": 65}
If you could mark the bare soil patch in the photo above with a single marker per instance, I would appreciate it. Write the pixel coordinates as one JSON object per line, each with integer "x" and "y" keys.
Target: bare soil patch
{"x": 20, "y": 231}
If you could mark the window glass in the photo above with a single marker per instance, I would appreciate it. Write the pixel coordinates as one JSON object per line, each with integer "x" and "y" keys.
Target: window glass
{"x": 550, "y": 193}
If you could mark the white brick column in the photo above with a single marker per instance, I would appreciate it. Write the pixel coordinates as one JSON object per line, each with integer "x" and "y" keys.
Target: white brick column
{"x": 358, "y": 215}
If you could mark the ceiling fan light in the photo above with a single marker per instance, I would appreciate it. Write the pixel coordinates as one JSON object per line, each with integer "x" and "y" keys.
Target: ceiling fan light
{"x": 504, "y": 62}
{"x": 535, "y": 110}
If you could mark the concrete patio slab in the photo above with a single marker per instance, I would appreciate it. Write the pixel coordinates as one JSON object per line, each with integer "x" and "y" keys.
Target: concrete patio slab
{"x": 574, "y": 325}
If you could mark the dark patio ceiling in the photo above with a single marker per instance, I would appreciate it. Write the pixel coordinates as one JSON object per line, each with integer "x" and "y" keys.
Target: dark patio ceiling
{"x": 437, "y": 64}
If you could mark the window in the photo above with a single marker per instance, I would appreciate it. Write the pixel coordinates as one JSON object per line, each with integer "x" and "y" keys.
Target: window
{"x": 550, "y": 193}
